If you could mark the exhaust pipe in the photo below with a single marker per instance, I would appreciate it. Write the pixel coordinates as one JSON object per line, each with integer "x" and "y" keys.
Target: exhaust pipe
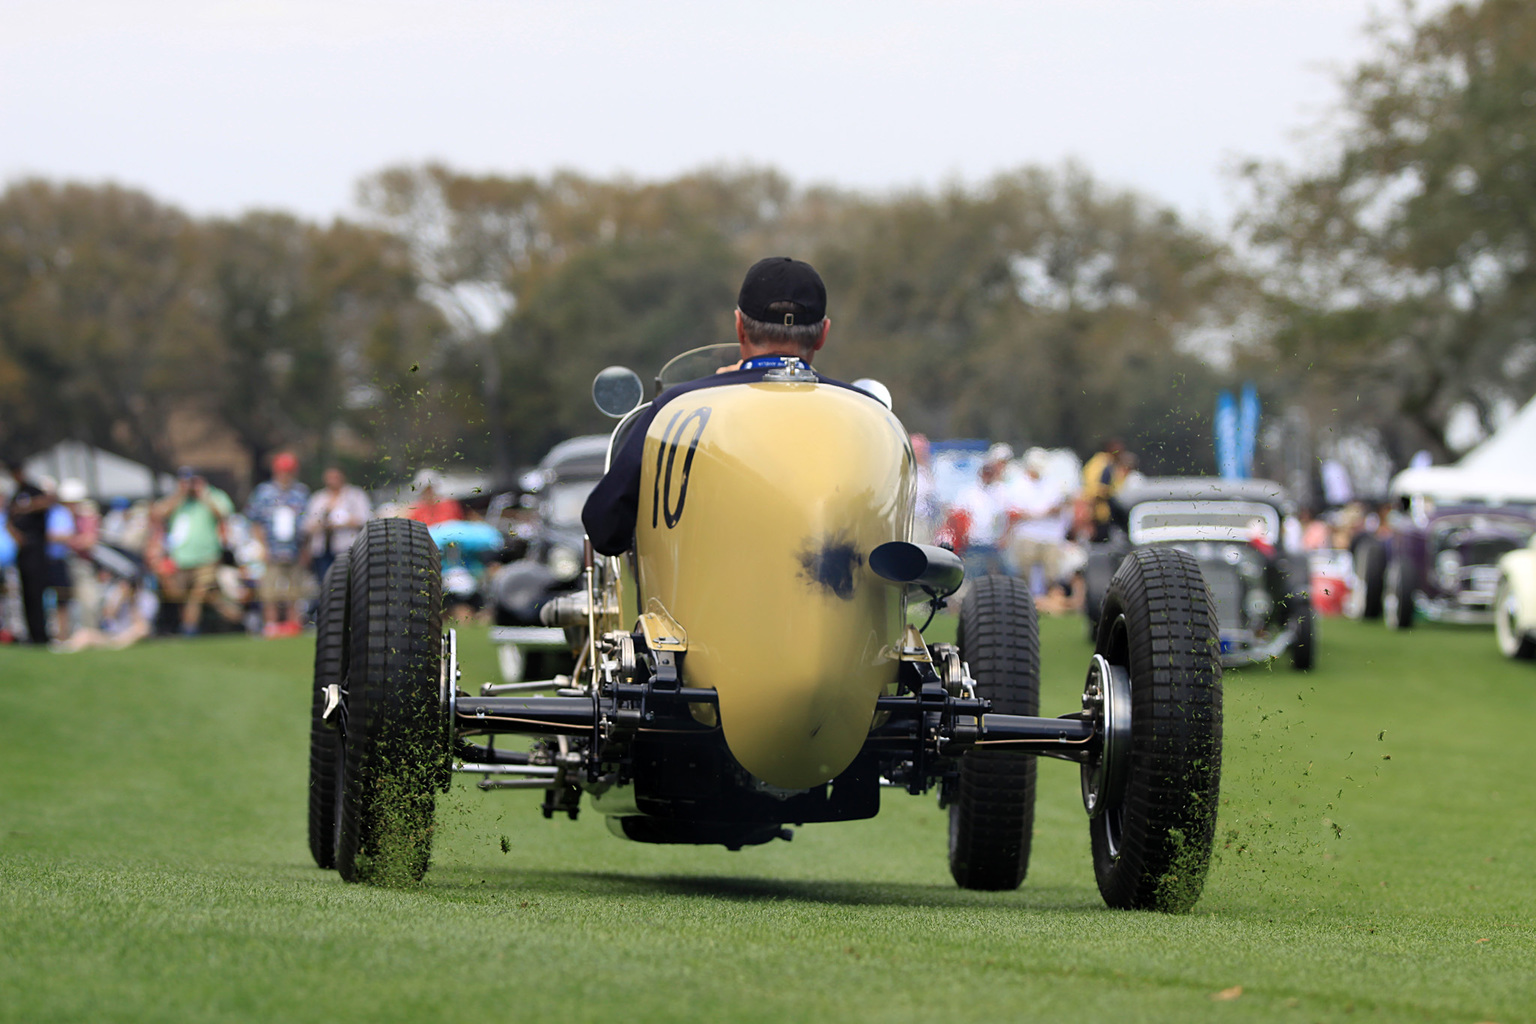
{"x": 935, "y": 570}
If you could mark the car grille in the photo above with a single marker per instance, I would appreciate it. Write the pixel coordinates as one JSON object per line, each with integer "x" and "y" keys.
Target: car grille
{"x": 1226, "y": 588}
{"x": 1486, "y": 553}
{"x": 1478, "y": 583}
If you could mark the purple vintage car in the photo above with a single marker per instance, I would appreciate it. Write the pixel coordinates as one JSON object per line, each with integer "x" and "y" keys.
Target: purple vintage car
{"x": 1443, "y": 559}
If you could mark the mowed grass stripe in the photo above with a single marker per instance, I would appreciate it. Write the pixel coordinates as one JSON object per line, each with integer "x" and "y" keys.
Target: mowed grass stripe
{"x": 153, "y": 867}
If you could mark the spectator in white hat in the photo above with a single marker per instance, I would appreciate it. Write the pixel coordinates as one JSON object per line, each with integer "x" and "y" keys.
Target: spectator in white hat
{"x": 1039, "y": 515}
{"x": 84, "y": 592}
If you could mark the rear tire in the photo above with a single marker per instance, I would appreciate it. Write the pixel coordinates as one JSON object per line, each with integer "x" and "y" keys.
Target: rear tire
{"x": 1096, "y": 576}
{"x": 325, "y": 739}
{"x": 1513, "y": 641}
{"x": 1397, "y": 595}
{"x": 1152, "y": 846}
{"x": 1370, "y": 569}
{"x": 396, "y": 743}
{"x": 992, "y": 816}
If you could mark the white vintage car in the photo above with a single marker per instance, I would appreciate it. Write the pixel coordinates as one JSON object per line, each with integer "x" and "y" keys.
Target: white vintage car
{"x": 1514, "y": 604}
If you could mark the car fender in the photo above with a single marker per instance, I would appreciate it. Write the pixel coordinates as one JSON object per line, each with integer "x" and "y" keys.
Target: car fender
{"x": 1519, "y": 569}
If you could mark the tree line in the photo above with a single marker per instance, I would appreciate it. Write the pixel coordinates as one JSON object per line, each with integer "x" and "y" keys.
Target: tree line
{"x": 462, "y": 317}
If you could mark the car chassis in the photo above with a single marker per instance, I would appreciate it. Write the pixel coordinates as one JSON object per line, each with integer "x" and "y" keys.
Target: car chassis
{"x": 636, "y": 690}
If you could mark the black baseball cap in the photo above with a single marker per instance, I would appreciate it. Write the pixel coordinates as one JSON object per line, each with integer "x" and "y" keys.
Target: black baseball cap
{"x": 779, "y": 279}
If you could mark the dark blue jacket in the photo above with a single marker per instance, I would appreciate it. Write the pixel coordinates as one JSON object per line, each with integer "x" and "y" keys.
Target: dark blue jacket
{"x": 611, "y": 508}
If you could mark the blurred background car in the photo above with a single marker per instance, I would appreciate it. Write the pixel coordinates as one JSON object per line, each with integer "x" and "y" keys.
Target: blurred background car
{"x": 1442, "y": 560}
{"x": 1232, "y": 528}
{"x": 551, "y": 559}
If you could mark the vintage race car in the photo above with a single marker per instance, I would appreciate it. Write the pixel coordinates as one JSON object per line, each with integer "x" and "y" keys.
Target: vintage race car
{"x": 750, "y": 666}
{"x": 1232, "y": 528}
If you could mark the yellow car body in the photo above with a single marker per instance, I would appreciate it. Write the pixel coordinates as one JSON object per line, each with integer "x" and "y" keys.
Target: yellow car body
{"x": 759, "y": 506}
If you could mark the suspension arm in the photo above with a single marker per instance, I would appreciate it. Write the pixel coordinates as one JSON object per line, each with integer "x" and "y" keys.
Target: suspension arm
{"x": 538, "y": 716}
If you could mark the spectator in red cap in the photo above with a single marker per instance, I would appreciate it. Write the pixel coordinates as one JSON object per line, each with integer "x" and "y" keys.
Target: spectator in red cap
{"x": 275, "y": 510}
{"x": 431, "y": 506}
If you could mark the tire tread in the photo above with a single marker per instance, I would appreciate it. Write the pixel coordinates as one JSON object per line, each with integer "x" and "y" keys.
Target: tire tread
{"x": 324, "y": 738}
{"x": 992, "y": 816}
{"x": 1172, "y": 790}
{"x": 394, "y": 742}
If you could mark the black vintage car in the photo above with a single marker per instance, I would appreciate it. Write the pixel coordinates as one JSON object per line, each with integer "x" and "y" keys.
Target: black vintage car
{"x": 1233, "y": 529}
{"x": 552, "y": 563}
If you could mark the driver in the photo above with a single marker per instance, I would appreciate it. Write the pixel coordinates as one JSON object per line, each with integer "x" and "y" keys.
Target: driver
{"x": 781, "y": 312}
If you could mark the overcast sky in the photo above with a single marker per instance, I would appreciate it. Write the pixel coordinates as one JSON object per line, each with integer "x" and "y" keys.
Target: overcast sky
{"x": 224, "y": 105}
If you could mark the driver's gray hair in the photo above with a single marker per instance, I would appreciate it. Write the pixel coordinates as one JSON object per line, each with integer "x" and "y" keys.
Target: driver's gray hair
{"x": 800, "y": 337}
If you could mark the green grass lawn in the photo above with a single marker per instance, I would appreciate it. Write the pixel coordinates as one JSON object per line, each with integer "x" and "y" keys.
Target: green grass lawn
{"x": 1374, "y": 862}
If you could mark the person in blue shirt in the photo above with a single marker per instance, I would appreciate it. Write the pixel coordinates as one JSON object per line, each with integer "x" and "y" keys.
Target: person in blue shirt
{"x": 275, "y": 511}
{"x": 7, "y": 559}
{"x": 60, "y": 526}
{"x": 781, "y": 312}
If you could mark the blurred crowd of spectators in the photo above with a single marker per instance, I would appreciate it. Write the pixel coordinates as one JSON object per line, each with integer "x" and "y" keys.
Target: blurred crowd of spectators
{"x": 1035, "y": 516}
{"x": 77, "y": 574}
{"x": 1030, "y": 517}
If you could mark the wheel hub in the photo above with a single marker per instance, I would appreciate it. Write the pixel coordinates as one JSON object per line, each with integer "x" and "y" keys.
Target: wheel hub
{"x": 1107, "y": 702}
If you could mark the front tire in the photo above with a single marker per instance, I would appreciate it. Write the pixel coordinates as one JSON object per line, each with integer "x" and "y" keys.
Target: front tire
{"x": 1304, "y": 644}
{"x": 325, "y": 738}
{"x": 396, "y": 743}
{"x": 1513, "y": 641}
{"x": 1152, "y": 845}
{"x": 992, "y": 815}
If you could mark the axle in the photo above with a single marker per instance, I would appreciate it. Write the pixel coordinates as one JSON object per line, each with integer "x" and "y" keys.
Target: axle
{"x": 953, "y": 724}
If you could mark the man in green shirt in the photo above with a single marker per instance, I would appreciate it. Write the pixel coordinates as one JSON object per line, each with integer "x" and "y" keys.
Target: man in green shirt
{"x": 193, "y": 517}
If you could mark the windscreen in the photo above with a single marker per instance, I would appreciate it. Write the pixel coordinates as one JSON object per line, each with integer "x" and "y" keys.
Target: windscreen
{"x": 696, "y": 363}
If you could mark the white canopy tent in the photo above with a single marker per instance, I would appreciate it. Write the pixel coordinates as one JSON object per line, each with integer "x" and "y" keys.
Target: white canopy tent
{"x": 105, "y": 475}
{"x": 1500, "y": 469}
{"x": 1511, "y": 450}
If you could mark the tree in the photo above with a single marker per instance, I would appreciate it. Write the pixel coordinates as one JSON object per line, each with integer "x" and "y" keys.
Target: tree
{"x": 99, "y": 327}
{"x": 119, "y": 315}
{"x": 1041, "y": 307}
{"x": 315, "y": 327}
{"x": 1403, "y": 268}
{"x": 271, "y": 378}
{"x": 543, "y": 279}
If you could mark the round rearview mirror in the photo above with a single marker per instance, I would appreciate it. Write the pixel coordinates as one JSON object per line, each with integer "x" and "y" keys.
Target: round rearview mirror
{"x": 617, "y": 390}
